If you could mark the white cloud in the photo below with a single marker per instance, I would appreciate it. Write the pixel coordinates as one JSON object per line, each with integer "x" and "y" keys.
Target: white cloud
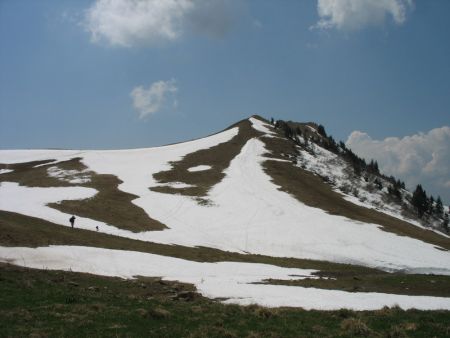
{"x": 421, "y": 158}
{"x": 356, "y": 14}
{"x": 151, "y": 100}
{"x": 127, "y": 23}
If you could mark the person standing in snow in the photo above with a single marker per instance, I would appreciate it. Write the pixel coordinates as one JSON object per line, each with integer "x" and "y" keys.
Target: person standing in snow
{"x": 72, "y": 220}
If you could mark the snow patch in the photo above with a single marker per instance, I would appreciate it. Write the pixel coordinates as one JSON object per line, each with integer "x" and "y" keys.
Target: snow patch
{"x": 71, "y": 176}
{"x": 199, "y": 168}
{"x": 262, "y": 127}
{"x": 33, "y": 202}
{"x": 230, "y": 280}
{"x": 5, "y": 171}
{"x": 177, "y": 185}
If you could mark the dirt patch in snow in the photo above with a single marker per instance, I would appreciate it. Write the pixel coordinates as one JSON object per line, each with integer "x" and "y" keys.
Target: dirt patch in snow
{"x": 28, "y": 175}
{"x": 396, "y": 283}
{"x": 218, "y": 158}
{"x": 109, "y": 205}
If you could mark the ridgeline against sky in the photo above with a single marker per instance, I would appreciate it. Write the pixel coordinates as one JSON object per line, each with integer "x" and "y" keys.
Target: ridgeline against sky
{"x": 121, "y": 74}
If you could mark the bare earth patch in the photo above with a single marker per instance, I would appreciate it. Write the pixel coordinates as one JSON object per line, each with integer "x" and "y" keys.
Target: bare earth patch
{"x": 109, "y": 205}
{"x": 218, "y": 158}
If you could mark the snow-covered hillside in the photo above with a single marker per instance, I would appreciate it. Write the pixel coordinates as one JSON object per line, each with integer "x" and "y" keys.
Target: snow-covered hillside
{"x": 364, "y": 191}
{"x": 246, "y": 212}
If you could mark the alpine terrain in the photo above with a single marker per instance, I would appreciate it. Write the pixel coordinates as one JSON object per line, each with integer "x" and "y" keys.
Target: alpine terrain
{"x": 272, "y": 214}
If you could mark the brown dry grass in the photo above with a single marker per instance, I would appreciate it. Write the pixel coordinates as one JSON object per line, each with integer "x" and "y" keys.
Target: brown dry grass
{"x": 392, "y": 283}
{"x": 355, "y": 327}
{"x": 218, "y": 157}
{"x": 25, "y": 174}
{"x": 109, "y": 205}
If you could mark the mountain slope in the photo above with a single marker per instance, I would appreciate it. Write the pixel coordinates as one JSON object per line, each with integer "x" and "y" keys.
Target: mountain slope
{"x": 244, "y": 190}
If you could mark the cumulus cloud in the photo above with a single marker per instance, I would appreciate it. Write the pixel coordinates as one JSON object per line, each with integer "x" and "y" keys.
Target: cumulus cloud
{"x": 127, "y": 23}
{"x": 421, "y": 158}
{"x": 356, "y": 14}
{"x": 153, "y": 99}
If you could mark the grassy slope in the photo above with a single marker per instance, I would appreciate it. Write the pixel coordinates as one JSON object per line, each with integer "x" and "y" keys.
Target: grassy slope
{"x": 110, "y": 205}
{"x": 42, "y": 303}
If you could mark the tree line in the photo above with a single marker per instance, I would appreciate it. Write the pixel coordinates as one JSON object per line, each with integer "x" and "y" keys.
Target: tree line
{"x": 423, "y": 204}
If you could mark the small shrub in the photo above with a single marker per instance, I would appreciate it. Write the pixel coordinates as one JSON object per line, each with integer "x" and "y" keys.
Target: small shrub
{"x": 345, "y": 188}
{"x": 71, "y": 299}
{"x": 345, "y": 313}
{"x": 266, "y": 313}
{"x": 355, "y": 327}
{"x": 159, "y": 313}
{"x": 409, "y": 326}
{"x": 396, "y": 331}
{"x": 142, "y": 312}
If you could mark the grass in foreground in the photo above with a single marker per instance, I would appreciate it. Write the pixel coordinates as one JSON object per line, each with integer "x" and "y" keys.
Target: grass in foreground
{"x": 42, "y": 303}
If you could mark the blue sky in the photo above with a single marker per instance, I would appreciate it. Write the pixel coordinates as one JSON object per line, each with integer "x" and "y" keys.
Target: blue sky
{"x": 106, "y": 74}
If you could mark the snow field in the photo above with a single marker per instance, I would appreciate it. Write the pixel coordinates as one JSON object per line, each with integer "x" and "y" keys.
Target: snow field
{"x": 250, "y": 214}
{"x": 247, "y": 214}
{"x": 231, "y": 280}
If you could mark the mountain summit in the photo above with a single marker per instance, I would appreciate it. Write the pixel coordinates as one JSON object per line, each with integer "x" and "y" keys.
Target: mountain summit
{"x": 252, "y": 214}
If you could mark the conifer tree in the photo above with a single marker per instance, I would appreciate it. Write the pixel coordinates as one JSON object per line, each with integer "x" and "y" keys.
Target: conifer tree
{"x": 394, "y": 190}
{"x": 419, "y": 200}
{"x": 321, "y": 130}
{"x": 439, "y": 207}
{"x": 377, "y": 182}
{"x": 431, "y": 205}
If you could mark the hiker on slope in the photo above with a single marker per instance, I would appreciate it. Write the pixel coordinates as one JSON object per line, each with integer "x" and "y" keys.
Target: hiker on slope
{"x": 72, "y": 220}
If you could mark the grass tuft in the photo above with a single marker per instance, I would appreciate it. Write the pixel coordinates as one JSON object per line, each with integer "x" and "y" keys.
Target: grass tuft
{"x": 355, "y": 327}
